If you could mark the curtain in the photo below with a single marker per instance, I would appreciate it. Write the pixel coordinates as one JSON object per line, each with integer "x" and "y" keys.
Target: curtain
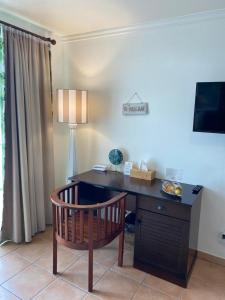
{"x": 28, "y": 133}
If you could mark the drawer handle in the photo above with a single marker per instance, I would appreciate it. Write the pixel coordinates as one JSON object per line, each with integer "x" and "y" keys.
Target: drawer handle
{"x": 161, "y": 207}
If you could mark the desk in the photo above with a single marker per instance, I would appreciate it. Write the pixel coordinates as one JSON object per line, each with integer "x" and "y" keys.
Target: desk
{"x": 166, "y": 229}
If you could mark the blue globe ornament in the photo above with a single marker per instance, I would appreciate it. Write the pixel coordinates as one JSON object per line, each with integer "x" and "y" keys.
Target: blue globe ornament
{"x": 115, "y": 157}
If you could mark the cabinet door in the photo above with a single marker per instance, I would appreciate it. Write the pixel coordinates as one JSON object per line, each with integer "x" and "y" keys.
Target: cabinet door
{"x": 161, "y": 241}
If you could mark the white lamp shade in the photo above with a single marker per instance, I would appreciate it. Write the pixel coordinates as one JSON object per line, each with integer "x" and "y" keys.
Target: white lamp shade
{"x": 72, "y": 106}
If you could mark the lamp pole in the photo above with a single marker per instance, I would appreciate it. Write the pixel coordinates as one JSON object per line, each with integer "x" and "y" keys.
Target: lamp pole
{"x": 72, "y": 162}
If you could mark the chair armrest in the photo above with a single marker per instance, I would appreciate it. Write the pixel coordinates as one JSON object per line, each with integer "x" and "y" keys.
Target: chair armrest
{"x": 54, "y": 197}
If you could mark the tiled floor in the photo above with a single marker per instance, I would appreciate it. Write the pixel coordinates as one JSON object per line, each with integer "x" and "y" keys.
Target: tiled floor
{"x": 25, "y": 273}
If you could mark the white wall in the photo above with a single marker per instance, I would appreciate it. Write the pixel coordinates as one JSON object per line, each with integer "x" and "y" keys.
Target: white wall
{"x": 163, "y": 66}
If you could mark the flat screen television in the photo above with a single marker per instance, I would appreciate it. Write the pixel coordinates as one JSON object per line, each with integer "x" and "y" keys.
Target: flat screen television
{"x": 209, "y": 114}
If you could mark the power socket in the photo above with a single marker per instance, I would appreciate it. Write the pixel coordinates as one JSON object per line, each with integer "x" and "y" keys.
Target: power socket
{"x": 221, "y": 238}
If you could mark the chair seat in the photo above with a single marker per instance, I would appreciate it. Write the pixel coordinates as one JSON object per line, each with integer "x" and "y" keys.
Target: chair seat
{"x": 103, "y": 232}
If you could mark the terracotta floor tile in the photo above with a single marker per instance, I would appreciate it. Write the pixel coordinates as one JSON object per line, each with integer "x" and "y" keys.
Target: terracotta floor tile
{"x": 114, "y": 244}
{"x": 114, "y": 286}
{"x": 209, "y": 272}
{"x": 80, "y": 252}
{"x": 128, "y": 270}
{"x": 32, "y": 251}
{"x": 59, "y": 290}
{"x": 7, "y": 248}
{"x": 10, "y": 265}
{"x": 78, "y": 273}
{"x": 146, "y": 293}
{"x": 28, "y": 283}
{"x": 47, "y": 234}
{"x": 200, "y": 290}
{"x": 106, "y": 256}
{"x": 91, "y": 297}
{"x": 129, "y": 242}
{"x": 6, "y": 295}
{"x": 163, "y": 285}
{"x": 65, "y": 259}
{"x": 18, "y": 276}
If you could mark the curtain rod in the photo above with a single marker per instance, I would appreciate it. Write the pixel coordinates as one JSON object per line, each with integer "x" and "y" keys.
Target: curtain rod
{"x": 53, "y": 42}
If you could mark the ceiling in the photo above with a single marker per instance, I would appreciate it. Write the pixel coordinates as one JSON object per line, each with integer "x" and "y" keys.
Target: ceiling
{"x": 81, "y": 16}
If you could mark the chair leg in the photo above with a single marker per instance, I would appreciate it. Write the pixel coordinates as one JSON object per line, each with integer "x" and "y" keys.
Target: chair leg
{"x": 54, "y": 254}
{"x": 90, "y": 250}
{"x": 90, "y": 270}
{"x": 54, "y": 241}
{"x": 121, "y": 248}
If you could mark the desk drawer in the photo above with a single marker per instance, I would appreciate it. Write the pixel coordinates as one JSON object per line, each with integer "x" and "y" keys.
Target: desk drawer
{"x": 166, "y": 208}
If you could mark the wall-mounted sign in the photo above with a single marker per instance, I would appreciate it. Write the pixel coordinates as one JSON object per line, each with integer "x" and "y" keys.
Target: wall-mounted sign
{"x": 135, "y": 108}
{"x": 140, "y": 108}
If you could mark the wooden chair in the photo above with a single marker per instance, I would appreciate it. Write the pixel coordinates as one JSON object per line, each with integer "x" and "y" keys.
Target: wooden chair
{"x": 86, "y": 227}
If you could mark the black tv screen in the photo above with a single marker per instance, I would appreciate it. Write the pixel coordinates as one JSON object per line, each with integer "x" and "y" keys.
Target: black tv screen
{"x": 209, "y": 114}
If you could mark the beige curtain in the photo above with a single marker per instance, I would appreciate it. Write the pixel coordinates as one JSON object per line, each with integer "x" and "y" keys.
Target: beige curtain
{"x": 28, "y": 125}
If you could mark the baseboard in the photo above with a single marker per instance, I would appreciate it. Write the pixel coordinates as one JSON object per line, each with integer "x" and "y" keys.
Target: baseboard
{"x": 211, "y": 258}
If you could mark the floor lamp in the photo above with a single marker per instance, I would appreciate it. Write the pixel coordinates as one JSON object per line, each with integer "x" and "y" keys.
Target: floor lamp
{"x": 72, "y": 109}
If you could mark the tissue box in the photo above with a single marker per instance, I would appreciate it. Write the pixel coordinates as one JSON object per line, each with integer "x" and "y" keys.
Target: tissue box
{"x": 146, "y": 175}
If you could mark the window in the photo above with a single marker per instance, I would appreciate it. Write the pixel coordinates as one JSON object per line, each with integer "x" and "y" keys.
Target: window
{"x": 2, "y": 123}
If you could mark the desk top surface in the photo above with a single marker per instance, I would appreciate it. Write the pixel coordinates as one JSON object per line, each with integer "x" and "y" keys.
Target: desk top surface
{"x": 120, "y": 182}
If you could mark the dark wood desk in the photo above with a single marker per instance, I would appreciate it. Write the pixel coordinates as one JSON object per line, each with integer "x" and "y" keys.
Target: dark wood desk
{"x": 166, "y": 229}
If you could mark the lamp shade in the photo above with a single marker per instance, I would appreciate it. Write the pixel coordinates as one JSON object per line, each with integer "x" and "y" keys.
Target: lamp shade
{"x": 72, "y": 106}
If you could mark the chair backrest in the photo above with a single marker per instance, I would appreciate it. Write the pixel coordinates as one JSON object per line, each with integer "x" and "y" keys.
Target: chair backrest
{"x": 74, "y": 224}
